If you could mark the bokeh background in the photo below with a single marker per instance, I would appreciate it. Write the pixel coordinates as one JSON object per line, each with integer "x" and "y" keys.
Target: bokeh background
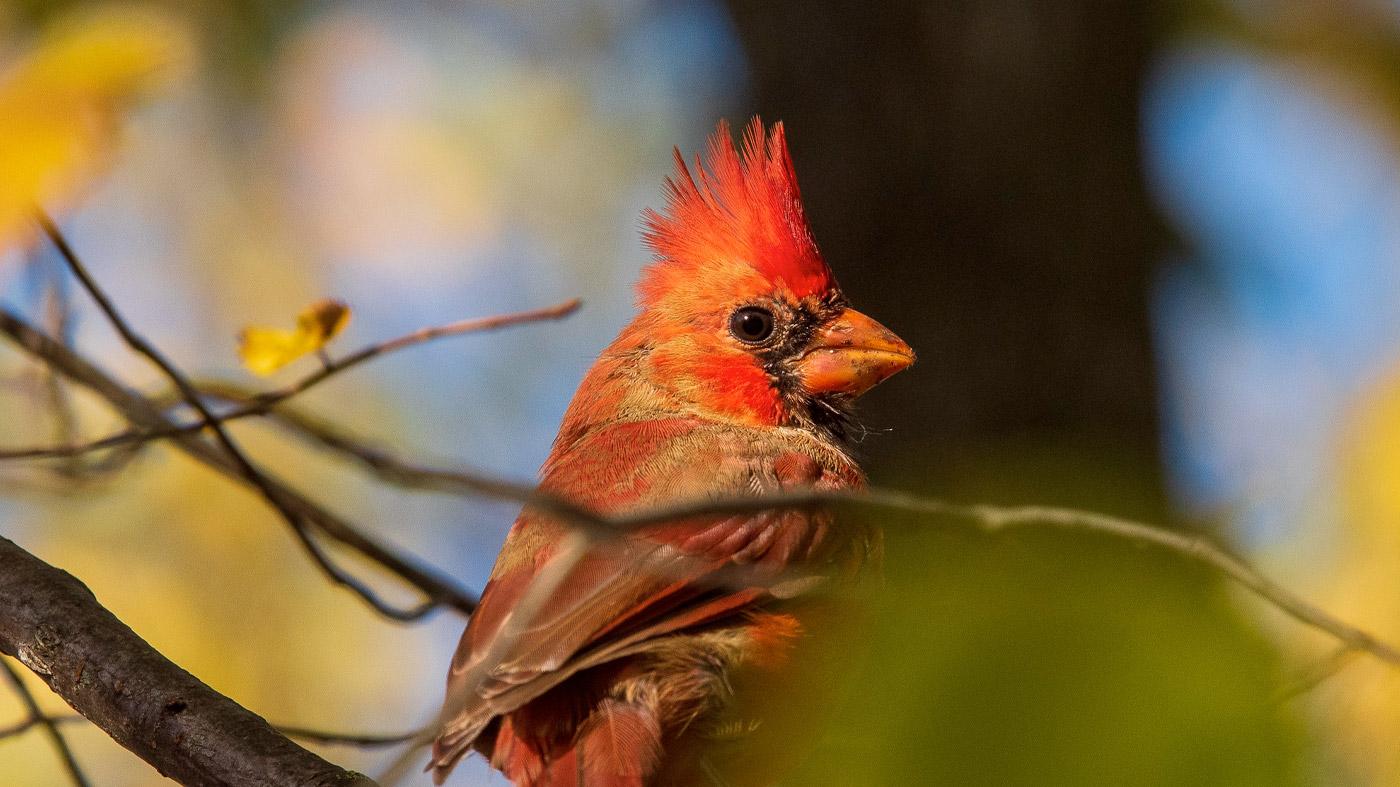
{"x": 1148, "y": 252}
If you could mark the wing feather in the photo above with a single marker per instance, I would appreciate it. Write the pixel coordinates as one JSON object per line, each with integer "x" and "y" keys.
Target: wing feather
{"x": 657, "y": 581}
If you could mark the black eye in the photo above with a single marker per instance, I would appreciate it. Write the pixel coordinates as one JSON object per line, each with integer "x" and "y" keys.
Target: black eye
{"x": 751, "y": 324}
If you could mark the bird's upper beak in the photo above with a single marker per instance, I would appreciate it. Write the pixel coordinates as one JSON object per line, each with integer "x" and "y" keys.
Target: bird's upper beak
{"x": 852, "y": 354}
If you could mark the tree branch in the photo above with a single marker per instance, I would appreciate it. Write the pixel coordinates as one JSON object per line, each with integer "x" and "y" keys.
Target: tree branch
{"x": 49, "y": 725}
{"x": 438, "y": 588}
{"x": 261, "y": 402}
{"x": 150, "y": 421}
{"x": 29, "y": 723}
{"x": 239, "y": 462}
{"x": 1196, "y": 547}
{"x": 52, "y": 623}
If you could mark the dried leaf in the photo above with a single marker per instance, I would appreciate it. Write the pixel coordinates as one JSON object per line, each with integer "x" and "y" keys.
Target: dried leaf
{"x": 265, "y": 350}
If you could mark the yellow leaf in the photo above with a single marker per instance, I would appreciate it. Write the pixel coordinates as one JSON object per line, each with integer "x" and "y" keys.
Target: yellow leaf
{"x": 61, "y": 104}
{"x": 265, "y": 350}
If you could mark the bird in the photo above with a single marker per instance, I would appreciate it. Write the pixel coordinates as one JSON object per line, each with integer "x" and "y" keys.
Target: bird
{"x": 649, "y": 655}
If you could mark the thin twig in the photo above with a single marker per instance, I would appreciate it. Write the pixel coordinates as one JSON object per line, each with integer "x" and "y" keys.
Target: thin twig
{"x": 125, "y": 438}
{"x": 30, "y": 722}
{"x": 262, "y": 402}
{"x": 191, "y": 397}
{"x": 50, "y": 726}
{"x": 1197, "y": 547}
{"x": 473, "y": 325}
{"x": 19, "y": 728}
{"x": 991, "y": 518}
{"x": 438, "y": 588}
{"x": 1319, "y": 673}
{"x": 377, "y": 459}
{"x": 300, "y": 525}
{"x": 58, "y": 313}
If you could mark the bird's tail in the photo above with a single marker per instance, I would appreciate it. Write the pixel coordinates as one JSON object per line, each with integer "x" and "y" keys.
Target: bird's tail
{"x": 619, "y": 745}
{"x": 451, "y": 746}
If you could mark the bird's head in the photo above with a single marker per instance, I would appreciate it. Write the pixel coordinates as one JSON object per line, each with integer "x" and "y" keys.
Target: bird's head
{"x": 743, "y": 318}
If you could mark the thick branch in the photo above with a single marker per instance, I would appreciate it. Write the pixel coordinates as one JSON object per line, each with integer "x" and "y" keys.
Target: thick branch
{"x": 52, "y": 623}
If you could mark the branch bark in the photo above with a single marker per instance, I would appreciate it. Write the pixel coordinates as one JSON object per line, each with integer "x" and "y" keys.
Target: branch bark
{"x": 54, "y": 625}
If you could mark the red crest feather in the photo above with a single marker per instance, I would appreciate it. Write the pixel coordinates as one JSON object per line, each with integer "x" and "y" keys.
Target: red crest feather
{"x": 738, "y": 208}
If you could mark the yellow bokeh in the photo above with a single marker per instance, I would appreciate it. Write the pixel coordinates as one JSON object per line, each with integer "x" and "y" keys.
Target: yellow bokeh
{"x": 1361, "y": 705}
{"x": 62, "y": 100}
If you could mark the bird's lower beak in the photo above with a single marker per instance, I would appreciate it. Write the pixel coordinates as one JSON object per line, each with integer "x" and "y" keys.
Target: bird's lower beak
{"x": 852, "y": 354}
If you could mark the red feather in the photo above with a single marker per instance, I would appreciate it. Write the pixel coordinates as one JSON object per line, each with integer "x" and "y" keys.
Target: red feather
{"x": 628, "y": 669}
{"x": 740, "y": 207}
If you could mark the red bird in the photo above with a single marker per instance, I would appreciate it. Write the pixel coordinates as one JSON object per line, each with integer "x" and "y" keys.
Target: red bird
{"x": 736, "y": 378}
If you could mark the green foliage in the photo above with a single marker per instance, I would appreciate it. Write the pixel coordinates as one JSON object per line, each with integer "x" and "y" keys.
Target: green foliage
{"x": 1057, "y": 658}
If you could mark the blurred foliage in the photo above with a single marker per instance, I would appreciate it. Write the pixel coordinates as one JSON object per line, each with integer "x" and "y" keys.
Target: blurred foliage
{"x": 1036, "y": 659}
{"x": 1352, "y": 46}
{"x": 61, "y": 104}
{"x": 1054, "y": 658}
{"x": 1342, "y": 516}
{"x": 1361, "y": 705}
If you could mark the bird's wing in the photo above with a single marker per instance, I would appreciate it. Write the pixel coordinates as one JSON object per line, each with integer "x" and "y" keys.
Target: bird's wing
{"x": 654, "y": 582}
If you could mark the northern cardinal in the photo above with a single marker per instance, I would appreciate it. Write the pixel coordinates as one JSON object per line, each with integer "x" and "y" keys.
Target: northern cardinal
{"x": 736, "y": 378}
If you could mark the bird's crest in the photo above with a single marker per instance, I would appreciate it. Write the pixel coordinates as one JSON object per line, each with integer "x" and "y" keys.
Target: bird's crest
{"x": 740, "y": 207}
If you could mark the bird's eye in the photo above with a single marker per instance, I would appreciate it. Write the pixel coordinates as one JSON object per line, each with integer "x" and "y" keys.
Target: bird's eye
{"x": 751, "y": 324}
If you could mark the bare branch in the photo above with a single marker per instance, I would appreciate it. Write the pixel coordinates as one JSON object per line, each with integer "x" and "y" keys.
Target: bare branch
{"x": 244, "y": 466}
{"x": 1197, "y": 547}
{"x": 261, "y": 402}
{"x": 52, "y": 623}
{"x": 58, "y": 316}
{"x": 29, "y": 723}
{"x": 37, "y": 717}
{"x": 19, "y": 728}
{"x": 438, "y": 588}
{"x": 330, "y": 368}
{"x": 151, "y": 422}
{"x": 378, "y": 459}
{"x": 1319, "y": 673}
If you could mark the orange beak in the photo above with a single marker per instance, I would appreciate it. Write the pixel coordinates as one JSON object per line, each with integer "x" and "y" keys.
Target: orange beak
{"x": 851, "y": 355}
